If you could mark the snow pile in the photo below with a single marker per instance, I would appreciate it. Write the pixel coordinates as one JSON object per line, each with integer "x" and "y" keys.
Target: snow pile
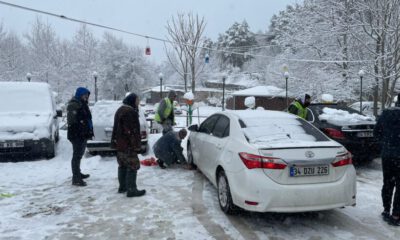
{"x": 250, "y": 102}
{"x": 332, "y": 115}
{"x": 188, "y": 96}
{"x": 262, "y": 91}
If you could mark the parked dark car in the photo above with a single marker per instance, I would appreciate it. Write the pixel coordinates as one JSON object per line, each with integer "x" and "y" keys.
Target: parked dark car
{"x": 348, "y": 127}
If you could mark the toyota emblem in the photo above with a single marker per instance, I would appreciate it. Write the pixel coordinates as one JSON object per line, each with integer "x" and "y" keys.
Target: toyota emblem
{"x": 309, "y": 154}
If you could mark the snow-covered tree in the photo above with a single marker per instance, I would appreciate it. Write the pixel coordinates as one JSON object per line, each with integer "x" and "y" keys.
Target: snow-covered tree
{"x": 238, "y": 41}
{"x": 84, "y": 56}
{"x": 12, "y": 57}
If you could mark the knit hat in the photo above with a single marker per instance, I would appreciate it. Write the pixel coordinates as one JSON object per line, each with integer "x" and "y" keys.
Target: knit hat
{"x": 130, "y": 100}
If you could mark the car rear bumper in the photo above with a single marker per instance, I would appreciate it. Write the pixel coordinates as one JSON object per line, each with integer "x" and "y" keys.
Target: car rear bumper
{"x": 274, "y": 197}
{"x": 31, "y": 148}
{"x": 102, "y": 146}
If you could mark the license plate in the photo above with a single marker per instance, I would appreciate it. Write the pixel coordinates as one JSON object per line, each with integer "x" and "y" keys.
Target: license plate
{"x": 297, "y": 171}
{"x": 12, "y": 144}
{"x": 365, "y": 134}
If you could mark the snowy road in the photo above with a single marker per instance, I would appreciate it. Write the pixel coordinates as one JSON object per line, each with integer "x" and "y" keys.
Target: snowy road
{"x": 179, "y": 204}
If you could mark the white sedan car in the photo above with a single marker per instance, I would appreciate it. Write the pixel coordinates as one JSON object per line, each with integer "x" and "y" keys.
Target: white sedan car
{"x": 269, "y": 161}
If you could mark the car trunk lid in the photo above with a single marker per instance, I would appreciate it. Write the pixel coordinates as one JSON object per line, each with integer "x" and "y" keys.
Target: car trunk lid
{"x": 305, "y": 164}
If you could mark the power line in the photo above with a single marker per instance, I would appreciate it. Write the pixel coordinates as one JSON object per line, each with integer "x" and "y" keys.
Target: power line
{"x": 175, "y": 43}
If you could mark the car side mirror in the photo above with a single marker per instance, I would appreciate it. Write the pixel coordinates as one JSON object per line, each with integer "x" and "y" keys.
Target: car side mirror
{"x": 59, "y": 113}
{"x": 194, "y": 128}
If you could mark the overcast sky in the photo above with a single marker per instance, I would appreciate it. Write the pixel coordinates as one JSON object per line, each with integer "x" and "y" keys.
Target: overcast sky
{"x": 147, "y": 17}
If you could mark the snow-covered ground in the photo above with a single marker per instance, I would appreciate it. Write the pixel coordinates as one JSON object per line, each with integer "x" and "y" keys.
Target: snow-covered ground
{"x": 38, "y": 202}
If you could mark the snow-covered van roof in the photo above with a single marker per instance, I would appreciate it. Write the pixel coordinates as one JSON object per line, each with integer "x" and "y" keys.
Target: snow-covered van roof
{"x": 262, "y": 91}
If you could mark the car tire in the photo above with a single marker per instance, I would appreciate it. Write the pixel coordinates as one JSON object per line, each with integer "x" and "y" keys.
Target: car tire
{"x": 57, "y": 136}
{"x": 224, "y": 194}
{"x": 145, "y": 151}
{"x": 93, "y": 153}
{"x": 190, "y": 156}
{"x": 51, "y": 150}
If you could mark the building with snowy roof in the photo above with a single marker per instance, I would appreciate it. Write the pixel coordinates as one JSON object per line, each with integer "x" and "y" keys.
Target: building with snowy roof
{"x": 268, "y": 97}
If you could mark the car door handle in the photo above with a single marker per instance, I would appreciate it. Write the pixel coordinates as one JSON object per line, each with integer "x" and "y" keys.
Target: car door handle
{"x": 219, "y": 146}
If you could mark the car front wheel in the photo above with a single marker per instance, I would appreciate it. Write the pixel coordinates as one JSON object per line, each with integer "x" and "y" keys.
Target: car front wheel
{"x": 224, "y": 194}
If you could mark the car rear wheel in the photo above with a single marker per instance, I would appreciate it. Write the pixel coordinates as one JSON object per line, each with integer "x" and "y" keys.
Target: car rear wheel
{"x": 190, "y": 156}
{"x": 57, "y": 136}
{"x": 224, "y": 194}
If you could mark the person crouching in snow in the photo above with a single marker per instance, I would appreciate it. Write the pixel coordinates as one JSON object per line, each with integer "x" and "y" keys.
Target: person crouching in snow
{"x": 168, "y": 148}
{"x": 126, "y": 139}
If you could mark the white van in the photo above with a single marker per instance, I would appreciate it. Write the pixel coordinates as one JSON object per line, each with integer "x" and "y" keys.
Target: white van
{"x": 28, "y": 120}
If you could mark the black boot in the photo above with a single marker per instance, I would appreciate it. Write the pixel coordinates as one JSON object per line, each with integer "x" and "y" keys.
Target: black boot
{"x": 122, "y": 179}
{"x": 84, "y": 176}
{"x": 161, "y": 164}
{"x": 132, "y": 190}
{"x": 77, "y": 181}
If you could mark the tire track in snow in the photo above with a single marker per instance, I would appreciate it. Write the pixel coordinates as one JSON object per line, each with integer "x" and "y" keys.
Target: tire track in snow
{"x": 197, "y": 205}
{"x": 336, "y": 218}
{"x": 242, "y": 227}
{"x": 200, "y": 211}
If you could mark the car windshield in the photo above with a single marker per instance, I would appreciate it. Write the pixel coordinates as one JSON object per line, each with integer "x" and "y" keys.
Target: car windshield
{"x": 24, "y": 98}
{"x": 280, "y": 129}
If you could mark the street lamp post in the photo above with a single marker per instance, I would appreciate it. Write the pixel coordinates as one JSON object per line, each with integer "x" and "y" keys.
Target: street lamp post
{"x": 361, "y": 74}
{"x": 95, "y": 85}
{"x": 29, "y": 76}
{"x": 223, "y": 92}
{"x": 161, "y": 78}
{"x": 286, "y": 75}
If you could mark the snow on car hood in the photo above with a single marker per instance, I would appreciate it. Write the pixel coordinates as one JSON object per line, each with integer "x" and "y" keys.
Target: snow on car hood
{"x": 24, "y": 125}
{"x": 343, "y": 118}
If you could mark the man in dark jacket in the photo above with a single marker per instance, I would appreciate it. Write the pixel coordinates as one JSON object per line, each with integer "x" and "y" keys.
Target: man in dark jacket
{"x": 299, "y": 106}
{"x": 165, "y": 112}
{"x": 126, "y": 139}
{"x": 387, "y": 130}
{"x": 168, "y": 148}
{"x": 80, "y": 129}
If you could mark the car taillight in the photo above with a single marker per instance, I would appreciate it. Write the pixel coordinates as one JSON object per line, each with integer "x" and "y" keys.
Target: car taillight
{"x": 252, "y": 161}
{"x": 334, "y": 133}
{"x": 342, "y": 160}
{"x": 143, "y": 134}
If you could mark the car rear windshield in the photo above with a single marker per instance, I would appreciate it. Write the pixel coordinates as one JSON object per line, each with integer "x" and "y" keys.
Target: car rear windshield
{"x": 319, "y": 108}
{"x": 280, "y": 129}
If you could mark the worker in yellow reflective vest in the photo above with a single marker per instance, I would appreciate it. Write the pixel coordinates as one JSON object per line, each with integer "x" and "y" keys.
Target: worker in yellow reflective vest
{"x": 165, "y": 112}
{"x": 299, "y": 106}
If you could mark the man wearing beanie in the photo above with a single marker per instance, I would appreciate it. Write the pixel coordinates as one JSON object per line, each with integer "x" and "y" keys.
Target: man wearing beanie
{"x": 126, "y": 139}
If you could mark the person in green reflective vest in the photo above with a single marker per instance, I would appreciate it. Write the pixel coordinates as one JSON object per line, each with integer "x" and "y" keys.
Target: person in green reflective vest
{"x": 165, "y": 112}
{"x": 299, "y": 106}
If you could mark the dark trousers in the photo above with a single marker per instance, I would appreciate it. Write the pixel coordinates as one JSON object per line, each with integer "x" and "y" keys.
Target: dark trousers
{"x": 78, "y": 147}
{"x": 391, "y": 181}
